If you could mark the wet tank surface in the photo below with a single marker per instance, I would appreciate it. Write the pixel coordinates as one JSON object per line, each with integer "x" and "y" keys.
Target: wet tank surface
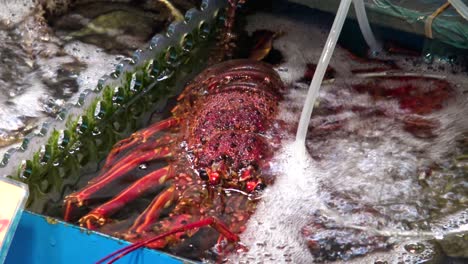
{"x": 384, "y": 179}
{"x": 385, "y": 174}
{"x": 51, "y": 51}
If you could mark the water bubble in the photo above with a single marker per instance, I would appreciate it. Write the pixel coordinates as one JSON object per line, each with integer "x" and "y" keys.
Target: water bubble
{"x": 171, "y": 29}
{"x": 261, "y": 244}
{"x": 415, "y": 248}
{"x": 26, "y": 169}
{"x": 99, "y": 110}
{"x": 380, "y": 262}
{"x": 155, "y": 41}
{"x": 45, "y": 154}
{"x": 53, "y": 106}
{"x": 25, "y": 143}
{"x": 204, "y": 30}
{"x": 62, "y": 114}
{"x": 53, "y": 242}
{"x": 119, "y": 95}
{"x": 132, "y": 83}
{"x": 4, "y": 161}
{"x": 118, "y": 70}
{"x": 189, "y": 15}
{"x": 172, "y": 58}
{"x": 165, "y": 74}
{"x": 100, "y": 84}
{"x": 43, "y": 131}
{"x": 220, "y": 15}
{"x": 204, "y": 5}
{"x": 188, "y": 43}
{"x": 74, "y": 148}
{"x": 82, "y": 124}
{"x": 96, "y": 131}
{"x": 143, "y": 166}
{"x": 280, "y": 247}
{"x": 136, "y": 56}
{"x": 428, "y": 58}
{"x": 153, "y": 69}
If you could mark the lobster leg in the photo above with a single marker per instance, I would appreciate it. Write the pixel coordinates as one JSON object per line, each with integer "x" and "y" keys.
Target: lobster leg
{"x": 210, "y": 221}
{"x": 155, "y": 143}
{"x": 99, "y": 215}
{"x": 152, "y": 212}
{"x": 138, "y": 137}
{"x": 125, "y": 165}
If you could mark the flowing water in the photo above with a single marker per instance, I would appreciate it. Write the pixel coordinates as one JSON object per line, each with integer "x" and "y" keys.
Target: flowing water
{"x": 53, "y": 51}
{"x": 381, "y": 183}
{"x": 320, "y": 71}
{"x": 385, "y": 178}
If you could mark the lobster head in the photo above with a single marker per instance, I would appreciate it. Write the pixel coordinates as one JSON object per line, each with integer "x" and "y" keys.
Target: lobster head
{"x": 235, "y": 160}
{"x": 233, "y": 109}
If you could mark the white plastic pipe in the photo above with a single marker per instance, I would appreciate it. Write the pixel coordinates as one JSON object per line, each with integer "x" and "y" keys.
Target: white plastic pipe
{"x": 461, "y": 8}
{"x": 325, "y": 57}
{"x": 364, "y": 25}
{"x": 320, "y": 71}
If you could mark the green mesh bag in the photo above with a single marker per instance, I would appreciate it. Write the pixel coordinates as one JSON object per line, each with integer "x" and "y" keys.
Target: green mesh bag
{"x": 413, "y": 16}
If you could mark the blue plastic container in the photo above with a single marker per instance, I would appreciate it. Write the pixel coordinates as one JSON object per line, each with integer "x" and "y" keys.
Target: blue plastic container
{"x": 40, "y": 240}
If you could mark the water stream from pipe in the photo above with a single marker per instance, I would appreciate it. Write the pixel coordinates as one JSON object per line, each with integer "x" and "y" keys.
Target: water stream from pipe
{"x": 325, "y": 60}
{"x": 298, "y": 148}
{"x": 356, "y": 158}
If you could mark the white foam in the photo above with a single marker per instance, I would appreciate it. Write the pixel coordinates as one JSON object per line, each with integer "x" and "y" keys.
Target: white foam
{"x": 40, "y": 57}
{"x": 13, "y": 12}
{"x": 97, "y": 63}
{"x": 371, "y": 160}
{"x": 281, "y": 211}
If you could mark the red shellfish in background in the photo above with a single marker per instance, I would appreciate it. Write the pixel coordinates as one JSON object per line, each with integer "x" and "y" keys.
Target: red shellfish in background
{"x": 208, "y": 162}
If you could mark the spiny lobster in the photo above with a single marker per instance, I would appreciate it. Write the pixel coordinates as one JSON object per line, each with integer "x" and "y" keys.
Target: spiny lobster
{"x": 216, "y": 147}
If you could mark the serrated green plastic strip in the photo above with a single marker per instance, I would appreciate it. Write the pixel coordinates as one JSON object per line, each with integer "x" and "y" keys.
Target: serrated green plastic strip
{"x": 122, "y": 106}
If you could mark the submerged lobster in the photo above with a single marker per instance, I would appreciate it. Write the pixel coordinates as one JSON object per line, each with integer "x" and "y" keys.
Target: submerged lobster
{"x": 217, "y": 148}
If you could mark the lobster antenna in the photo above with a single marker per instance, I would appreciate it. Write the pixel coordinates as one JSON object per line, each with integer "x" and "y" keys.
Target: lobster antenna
{"x": 128, "y": 249}
{"x": 123, "y": 251}
{"x": 201, "y": 223}
{"x": 226, "y": 42}
{"x": 174, "y": 11}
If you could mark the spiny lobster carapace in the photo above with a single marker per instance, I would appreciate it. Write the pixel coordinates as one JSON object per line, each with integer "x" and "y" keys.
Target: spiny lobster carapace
{"x": 215, "y": 149}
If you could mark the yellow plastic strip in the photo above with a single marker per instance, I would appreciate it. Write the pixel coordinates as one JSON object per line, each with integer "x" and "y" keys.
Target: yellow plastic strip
{"x": 428, "y": 23}
{"x": 174, "y": 11}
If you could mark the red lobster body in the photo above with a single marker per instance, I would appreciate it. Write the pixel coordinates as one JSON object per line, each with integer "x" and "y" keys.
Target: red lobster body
{"x": 222, "y": 137}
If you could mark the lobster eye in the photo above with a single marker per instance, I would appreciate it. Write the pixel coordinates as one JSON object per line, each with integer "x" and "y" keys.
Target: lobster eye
{"x": 214, "y": 178}
{"x": 250, "y": 185}
{"x": 203, "y": 175}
